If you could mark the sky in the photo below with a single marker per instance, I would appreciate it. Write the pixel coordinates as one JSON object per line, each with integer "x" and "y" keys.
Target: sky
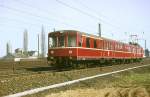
{"x": 119, "y": 19}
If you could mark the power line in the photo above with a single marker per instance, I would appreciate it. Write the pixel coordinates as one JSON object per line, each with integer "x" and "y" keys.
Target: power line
{"x": 85, "y": 13}
{"x": 22, "y": 12}
{"x": 37, "y": 16}
{"x": 43, "y": 10}
{"x": 92, "y": 10}
{"x": 16, "y": 20}
{"x": 16, "y": 26}
{"x": 25, "y": 12}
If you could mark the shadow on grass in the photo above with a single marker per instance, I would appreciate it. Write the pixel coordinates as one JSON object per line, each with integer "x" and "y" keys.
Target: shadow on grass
{"x": 38, "y": 69}
{"x": 52, "y": 69}
{"x": 62, "y": 68}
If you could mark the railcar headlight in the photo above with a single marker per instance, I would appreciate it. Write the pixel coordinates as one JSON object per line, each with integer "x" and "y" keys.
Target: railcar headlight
{"x": 83, "y": 58}
{"x": 70, "y": 51}
{"x": 52, "y": 52}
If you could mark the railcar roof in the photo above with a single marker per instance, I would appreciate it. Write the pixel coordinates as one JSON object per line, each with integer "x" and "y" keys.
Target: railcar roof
{"x": 83, "y": 33}
{"x": 90, "y": 35}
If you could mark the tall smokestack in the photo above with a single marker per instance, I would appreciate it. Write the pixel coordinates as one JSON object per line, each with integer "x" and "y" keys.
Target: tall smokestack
{"x": 8, "y": 48}
{"x": 43, "y": 51}
{"x": 25, "y": 42}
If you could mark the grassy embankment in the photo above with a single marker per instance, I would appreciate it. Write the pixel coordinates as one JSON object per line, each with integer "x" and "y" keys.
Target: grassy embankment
{"x": 133, "y": 83}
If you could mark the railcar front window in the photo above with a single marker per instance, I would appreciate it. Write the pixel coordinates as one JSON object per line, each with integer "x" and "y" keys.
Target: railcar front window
{"x": 52, "y": 41}
{"x": 61, "y": 41}
{"x": 71, "y": 40}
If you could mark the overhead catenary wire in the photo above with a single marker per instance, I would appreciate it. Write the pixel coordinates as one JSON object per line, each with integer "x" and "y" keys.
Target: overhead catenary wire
{"x": 83, "y": 4}
{"x": 93, "y": 10}
{"x": 47, "y": 11}
{"x": 20, "y": 21}
{"x": 100, "y": 14}
{"x": 86, "y": 13}
{"x": 40, "y": 9}
{"x": 34, "y": 15}
{"x": 13, "y": 26}
{"x": 40, "y": 17}
{"x": 43, "y": 18}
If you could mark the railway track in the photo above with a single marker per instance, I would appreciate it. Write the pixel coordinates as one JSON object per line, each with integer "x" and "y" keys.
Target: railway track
{"x": 33, "y": 70}
{"x": 23, "y": 71}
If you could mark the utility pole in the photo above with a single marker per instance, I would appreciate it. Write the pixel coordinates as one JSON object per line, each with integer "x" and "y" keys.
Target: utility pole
{"x": 145, "y": 44}
{"x": 99, "y": 29}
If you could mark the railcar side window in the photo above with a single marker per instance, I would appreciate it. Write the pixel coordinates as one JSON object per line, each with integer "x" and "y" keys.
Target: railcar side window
{"x": 88, "y": 42}
{"x": 80, "y": 40}
{"x": 71, "y": 41}
{"x": 107, "y": 45}
{"x": 104, "y": 44}
{"x": 111, "y": 46}
{"x": 95, "y": 45}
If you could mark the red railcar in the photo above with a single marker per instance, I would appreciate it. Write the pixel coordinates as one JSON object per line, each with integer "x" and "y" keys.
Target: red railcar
{"x": 72, "y": 46}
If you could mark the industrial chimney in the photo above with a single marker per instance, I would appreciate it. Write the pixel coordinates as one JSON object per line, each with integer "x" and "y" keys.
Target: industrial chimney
{"x": 43, "y": 51}
{"x": 8, "y": 49}
{"x": 25, "y": 42}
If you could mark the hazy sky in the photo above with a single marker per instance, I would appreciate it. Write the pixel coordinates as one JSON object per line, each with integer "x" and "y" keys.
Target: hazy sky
{"x": 115, "y": 16}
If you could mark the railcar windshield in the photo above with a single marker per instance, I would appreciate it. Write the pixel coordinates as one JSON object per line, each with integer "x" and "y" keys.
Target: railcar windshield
{"x": 61, "y": 40}
{"x": 57, "y": 41}
{"x": 53, "y": 41}
{"x": 66, "y": 39}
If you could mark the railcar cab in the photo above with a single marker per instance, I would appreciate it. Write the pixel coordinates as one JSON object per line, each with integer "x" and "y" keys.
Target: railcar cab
{"x": 64, "y": 38}
{"x": 62, "y": 45}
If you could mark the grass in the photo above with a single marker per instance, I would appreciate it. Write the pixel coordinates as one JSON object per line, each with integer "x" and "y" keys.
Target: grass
{"x": 133, "y": 83}
{"x": 135, "y": 79}
{"x": 29, "y": 75}
{"x": 20, "y": 83}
